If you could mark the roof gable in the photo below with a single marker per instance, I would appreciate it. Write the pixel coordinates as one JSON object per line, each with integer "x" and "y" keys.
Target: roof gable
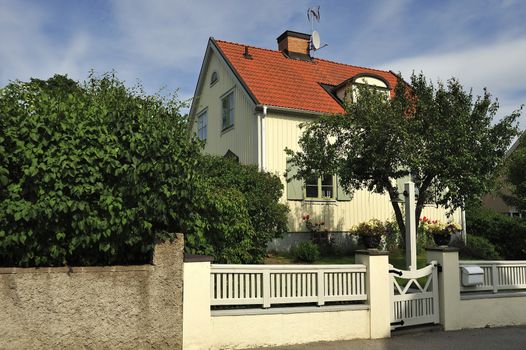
{"x": 276, "y": 80}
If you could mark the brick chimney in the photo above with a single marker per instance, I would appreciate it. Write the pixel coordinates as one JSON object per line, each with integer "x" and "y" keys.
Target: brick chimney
{"x": 294, "y": 43}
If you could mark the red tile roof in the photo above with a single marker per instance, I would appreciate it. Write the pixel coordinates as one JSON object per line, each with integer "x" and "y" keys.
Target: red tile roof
{"x": 275, "y": 80}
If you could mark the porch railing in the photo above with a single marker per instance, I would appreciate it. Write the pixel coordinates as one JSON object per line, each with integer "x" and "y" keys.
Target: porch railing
{"x": 286, "y": 284}
{"x": 498, "y": 275}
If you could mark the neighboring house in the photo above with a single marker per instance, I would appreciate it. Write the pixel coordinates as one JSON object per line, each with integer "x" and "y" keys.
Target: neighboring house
{"x": 494, "y": 200}
{"x": 249, "y": 103}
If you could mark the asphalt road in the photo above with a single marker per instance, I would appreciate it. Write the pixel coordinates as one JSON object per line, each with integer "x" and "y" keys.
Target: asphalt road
{"x": 505, "y": 338}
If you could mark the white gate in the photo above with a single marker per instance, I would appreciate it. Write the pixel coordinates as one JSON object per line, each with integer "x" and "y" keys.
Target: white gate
{"x": 414, "y": 296}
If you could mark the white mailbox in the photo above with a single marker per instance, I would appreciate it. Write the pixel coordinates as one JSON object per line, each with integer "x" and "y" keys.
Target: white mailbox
{"x": 472, "y": 275}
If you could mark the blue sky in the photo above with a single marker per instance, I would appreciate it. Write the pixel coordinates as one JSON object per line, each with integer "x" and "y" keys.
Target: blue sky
{"x": 161, "y": 43}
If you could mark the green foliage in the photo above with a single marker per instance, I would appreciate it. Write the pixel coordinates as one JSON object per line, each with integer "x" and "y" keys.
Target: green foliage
{"x": 91, "y": 173}
{"x": 516, "y": 175}
{"x": 506, "y": 233}
{"x": 239, "y": 212}
{"x": 373, "y": 227}
{"x": 440, "y": 134}
{"x": 306, "y": 251}
{"x": 476, "y": 248}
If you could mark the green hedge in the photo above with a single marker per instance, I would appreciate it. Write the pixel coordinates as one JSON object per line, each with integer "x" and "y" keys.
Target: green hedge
{"x": 90, "y": 173}
{"x": 507, "y": 234}
{"x": 240, "y": 212}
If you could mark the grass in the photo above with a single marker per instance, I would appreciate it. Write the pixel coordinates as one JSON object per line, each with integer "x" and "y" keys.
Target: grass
{"x": 396, "y": 258}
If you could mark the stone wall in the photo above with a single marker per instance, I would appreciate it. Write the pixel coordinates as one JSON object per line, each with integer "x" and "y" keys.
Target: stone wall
{"x": 117, "y": 307}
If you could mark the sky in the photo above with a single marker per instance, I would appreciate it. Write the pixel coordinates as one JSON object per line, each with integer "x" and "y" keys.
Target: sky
{"x": 161, "y": 43}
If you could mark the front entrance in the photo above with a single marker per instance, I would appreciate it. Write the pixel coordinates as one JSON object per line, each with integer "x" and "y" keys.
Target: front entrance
{"x": 414, "y": 296}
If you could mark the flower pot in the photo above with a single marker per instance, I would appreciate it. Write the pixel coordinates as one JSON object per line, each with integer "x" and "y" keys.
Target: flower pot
{"x": 441, "y": 239}
{"x": 371, "y": 242}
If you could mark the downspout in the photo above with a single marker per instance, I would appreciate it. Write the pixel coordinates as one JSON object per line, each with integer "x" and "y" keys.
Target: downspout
{"x": 263, "y": 142}
{"x": 258, "y": 140}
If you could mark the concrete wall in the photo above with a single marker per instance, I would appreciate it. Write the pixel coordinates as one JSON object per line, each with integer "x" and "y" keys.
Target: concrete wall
{"x": 118, "y": 307}
{"x": 245, "y": 331}
{"x": 492, "y": 312}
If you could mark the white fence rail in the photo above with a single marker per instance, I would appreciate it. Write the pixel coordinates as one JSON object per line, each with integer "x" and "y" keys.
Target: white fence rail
{"x": 498, "y": 275}
{"x": 286, "y": 284}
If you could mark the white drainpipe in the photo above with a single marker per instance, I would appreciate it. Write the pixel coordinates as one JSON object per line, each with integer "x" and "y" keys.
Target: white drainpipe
{"x": 263, "y": 142}
{"x": 258, "y": 122}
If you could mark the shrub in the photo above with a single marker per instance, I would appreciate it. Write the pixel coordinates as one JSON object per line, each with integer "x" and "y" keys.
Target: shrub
{"x": 373, "y": 227}
{"x": 91, "y": 173}
{"x": 235, "y": 190}
{"x": 506, "y": 233}
{"x": 476, "y": 248}
{"x": 306, "y": 252}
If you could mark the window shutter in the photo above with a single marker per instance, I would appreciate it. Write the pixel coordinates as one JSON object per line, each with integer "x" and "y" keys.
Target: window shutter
{"x": 294, "y": 186}
{"x": 341, "y": 194}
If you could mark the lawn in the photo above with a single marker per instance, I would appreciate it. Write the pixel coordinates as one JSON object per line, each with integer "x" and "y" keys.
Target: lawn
{"x": 396, "y": 258}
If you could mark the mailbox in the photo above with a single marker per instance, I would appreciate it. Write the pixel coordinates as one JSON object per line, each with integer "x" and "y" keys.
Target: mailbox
{"x": 472, "y": 275}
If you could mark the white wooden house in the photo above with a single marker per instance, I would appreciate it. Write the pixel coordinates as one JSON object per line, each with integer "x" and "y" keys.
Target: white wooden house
{"x": 249, "y": 102}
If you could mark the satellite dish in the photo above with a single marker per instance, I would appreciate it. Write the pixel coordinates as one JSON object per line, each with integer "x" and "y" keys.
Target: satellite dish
{"x": 315, "y": 40}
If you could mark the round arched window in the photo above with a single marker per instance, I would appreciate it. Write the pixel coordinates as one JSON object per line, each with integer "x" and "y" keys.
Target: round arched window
{"x": 214, "y": 78}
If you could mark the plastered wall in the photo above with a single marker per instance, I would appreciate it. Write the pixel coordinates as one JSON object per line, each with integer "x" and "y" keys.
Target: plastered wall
{"x": 118, "y": 307}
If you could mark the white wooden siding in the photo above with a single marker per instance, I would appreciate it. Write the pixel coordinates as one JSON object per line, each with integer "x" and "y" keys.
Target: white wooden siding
{"x": 242, "y": 138}
{"x": 282, "y": 131}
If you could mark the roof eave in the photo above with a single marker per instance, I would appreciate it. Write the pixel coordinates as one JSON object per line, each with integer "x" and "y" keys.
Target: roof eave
{"x": 235, "y": 72}
{"x": 289, "y": 110}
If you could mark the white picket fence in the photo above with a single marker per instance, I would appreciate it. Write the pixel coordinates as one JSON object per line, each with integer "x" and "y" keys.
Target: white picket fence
{"x": 498, "y": 275}
{"x": 286, "y": 284}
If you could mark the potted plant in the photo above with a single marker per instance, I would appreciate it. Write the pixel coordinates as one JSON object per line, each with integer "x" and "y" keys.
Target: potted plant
{"x": 440, "y": 232}
{"x": 370, "y": 232}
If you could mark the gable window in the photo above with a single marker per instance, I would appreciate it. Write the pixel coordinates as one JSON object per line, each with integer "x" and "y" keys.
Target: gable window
{"x": 214, "y": 78}
{"x": 320, "y": 188}
{"x": 227, "y": 109}
{"x": 202, "y": 125}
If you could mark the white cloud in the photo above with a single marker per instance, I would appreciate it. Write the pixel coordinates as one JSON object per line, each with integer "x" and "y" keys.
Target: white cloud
{"x": 498, "y": 66}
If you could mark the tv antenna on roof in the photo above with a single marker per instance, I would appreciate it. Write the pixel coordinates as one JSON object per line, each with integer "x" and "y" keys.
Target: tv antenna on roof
{"x": 313, "y": 14}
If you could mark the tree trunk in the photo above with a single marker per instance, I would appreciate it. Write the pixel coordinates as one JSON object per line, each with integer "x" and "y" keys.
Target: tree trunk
{"x": 421, "y": 199}
{"x": 393, "y": 195}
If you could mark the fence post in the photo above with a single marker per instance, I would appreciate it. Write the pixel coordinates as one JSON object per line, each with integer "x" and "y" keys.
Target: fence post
{"x": 494, "y": 278}
{"x": 321, "y": 288}
{"x": 196, "y": 302}
{"x": 448, "y": 284}
{"x": 266, "y": 289}
{"x": 378, "y": 289}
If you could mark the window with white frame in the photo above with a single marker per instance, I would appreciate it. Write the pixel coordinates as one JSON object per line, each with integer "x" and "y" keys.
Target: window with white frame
{"x": 227, "y": 109}
{"x": 202, "y": 125}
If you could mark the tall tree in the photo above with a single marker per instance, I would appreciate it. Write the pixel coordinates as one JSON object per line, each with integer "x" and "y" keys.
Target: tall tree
{"x": 440, "y": 135}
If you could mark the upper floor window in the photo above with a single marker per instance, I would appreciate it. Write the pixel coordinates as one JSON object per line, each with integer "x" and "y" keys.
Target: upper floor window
{"x": 228, "y": 111}
{"x": 348, "y": 90}
{"x": 214, "y": 78}
{"x": 202, "y": 125}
